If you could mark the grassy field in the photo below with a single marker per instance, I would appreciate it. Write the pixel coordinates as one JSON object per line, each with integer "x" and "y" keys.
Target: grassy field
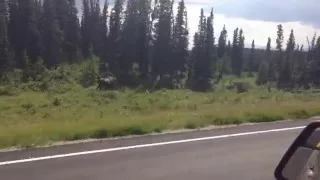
{"x": 29, "y": 118}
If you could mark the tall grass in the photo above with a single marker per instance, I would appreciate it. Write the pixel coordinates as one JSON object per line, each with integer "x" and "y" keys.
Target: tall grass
{"x": 33, "y": 118}
{"x": 66, "y": 111}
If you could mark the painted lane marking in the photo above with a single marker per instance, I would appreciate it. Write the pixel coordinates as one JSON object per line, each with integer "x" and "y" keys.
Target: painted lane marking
{"x": 147, "y": 145}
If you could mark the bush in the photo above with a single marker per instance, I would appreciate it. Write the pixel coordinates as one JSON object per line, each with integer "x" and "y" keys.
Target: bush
{"x": 190, "y": 125}
{"x": 165, "y": 81}
{"x": 111, "y": 95}
{"x": 262, "y": 77}
{"x": 56, "y": 102}
{"x": 12, "y": 77}
{"x": 202, "y": 85}
{"x": 89, "y": 73}
{"x": 242, "y": 87}
{"x": 8, "y": 91}
{"x": 33, "y": 71}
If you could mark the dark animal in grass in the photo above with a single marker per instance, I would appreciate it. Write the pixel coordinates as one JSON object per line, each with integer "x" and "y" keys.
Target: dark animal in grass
{"x": 109, "y": 82}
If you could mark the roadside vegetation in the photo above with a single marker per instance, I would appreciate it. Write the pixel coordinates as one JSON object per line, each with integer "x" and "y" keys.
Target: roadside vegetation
{"x": 137, "y": 54}
{"x": 66, "y": 111}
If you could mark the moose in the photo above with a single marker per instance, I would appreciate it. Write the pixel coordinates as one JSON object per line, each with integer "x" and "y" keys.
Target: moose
{"x": 109, "y": 82}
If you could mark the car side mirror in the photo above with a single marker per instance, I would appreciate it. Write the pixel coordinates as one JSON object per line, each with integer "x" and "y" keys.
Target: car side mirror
{"x": 302, "y": 159}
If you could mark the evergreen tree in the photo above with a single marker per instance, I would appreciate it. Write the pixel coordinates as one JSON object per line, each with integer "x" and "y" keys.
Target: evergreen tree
{"x": 262, "y": 77}
{"x": 298, "y": 66}
{"x": 23, "y": 29}
{"x": 237, "y": 52}
{"x": 85, "y": 29}
{"x": 251, "y": 59}
{"x": 227, "y": 62}
{"x": 144, "y": 37}
{"x": 92, "y": 43}
{"x": 240, "y": 49}
{"x": 271, "y": 73}
{"x": 202, "y": 71}
{"x": 222, "y": 43}
{"x": 4, "y": 48}
{"x": 162, "y": 55}
{"x": 265, "y": 67}
{"x": 223, "y": 53}
{"x": 211, "y": 58}
{"x": 13, "y": 24}
{"x": 104, "y": 37}
{"x": 234, "y": 54}
{"x": 52, "y": 35}
{"x": 72, "y": 32}
{"x": 288, "y": 63}
{"x": 180, "y": 42}
{"x": 95, "y": 21}
{"x": 147, "y": 39}
{"x": 279, "y": 57}
{"x": 313, "y": 61}
{"x": 317, "y": 63}
{"x": 128, "y": 52}
{"x": 280, "y": 37}
{"x": 310, "y": 65}
{"x": 114, "y": 36}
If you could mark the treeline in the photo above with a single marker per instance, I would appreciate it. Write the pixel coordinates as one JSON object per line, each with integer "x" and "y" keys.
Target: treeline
{"x": 141, "y": 42}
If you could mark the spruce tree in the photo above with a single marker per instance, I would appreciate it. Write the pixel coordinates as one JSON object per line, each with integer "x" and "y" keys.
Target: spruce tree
{"x": 279, "y": 56}
{"x": 222, "y": 43}
{"x": 21, "y": 23}
{"x": 240, "y": 49}
{"x": 203, "y": 60}
{"x": 86, "y": 42}
{"x": 72, "y": 33}
{"x": 317, "y": 62}
{"x": 104, "y": 30}
{"x": 211, "y": 58}
{"x": 270, "y": 63}
{"x": 262, "y": 77}
{"x": 265, "y": 67}
{"x": 4, "y": 44}
{"x": 34, "y": 41}
{"x": 144, "y": 37}
{"x": 251, "y": 59}
{"x": 234, "y": 54}
{"x": 128, "y": 52}
{"x": 52, "y": 36}
{"x": 288, "y": 64}
{"x": 115, "y": 24}
{"x": 162, "y": 54}
{"x": 180, "y": 42}
{"x": 227, "y": 64}
{"x": 95, "y": 21}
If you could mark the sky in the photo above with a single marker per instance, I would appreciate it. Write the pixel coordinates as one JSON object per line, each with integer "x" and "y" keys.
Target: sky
{"x": 258, "y": 18}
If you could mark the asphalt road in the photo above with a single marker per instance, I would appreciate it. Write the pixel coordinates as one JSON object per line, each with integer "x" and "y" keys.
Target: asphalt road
{"x": 241, "y": 156}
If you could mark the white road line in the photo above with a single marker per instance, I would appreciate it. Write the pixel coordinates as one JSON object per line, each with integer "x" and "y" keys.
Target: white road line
{"x": 147, "y": 145}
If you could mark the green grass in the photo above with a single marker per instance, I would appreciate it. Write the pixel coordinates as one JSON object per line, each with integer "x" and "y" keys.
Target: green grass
{"x": 70, "y": 112}
{"x": 33, "y": 118}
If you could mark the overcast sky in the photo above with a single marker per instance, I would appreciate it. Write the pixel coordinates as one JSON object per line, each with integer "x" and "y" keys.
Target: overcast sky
{"x": 259, "y": 18}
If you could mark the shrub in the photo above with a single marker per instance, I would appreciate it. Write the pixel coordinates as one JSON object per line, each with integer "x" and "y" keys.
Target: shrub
{"x": 242, "y": 87}
{"x": 8, "y": 91}
{"x": 56, "y": 102}
{"x": 89, "y": 73}
{"x": 190, "y": 125}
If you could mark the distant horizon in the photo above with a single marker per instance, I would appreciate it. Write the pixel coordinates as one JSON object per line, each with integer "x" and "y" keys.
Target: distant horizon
{"x": 255, "y": 24}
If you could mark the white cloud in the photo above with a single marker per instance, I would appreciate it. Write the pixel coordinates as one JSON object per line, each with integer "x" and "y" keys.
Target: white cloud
{"x": 253, "y": 29}
{"x": 270, "y": 10}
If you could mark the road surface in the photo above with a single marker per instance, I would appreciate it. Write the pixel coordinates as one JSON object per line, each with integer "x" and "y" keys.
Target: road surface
{"x": 248, "y": 152}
